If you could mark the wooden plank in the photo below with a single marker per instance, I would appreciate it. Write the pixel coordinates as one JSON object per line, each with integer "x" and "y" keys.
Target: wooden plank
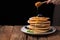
{"x": 37, "y": 37}
{"x": 23, "y": 36}
{"x": 8, "y": 29}
{"x": 17, "y": 34}
{"x": 56, "y": 35}
{"x": 32, "y": 37}
{"x": 42, "y": 38}
{"x": 5, "y": 32}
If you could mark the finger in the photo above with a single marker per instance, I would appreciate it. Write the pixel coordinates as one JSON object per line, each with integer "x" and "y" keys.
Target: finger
{"x": 48, "y": 1}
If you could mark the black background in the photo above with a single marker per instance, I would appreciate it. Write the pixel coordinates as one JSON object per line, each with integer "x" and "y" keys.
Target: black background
{"x": 18, "y": 12}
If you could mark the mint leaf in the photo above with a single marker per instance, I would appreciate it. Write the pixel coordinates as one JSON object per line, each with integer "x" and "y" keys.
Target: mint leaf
{"x": 30, "y": 31}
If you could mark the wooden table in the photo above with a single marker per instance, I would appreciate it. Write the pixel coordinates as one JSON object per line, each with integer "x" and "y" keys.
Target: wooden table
{"x": 8, "y": 32}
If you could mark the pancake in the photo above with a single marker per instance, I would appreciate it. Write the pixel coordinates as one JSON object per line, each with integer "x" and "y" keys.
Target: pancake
{"x": 36, "y": 21}
{"x": 40, "y": 25}
{"x": 39, "y": 18}
{"x": 39, "y": 31}
{"x": 33, "y": 27}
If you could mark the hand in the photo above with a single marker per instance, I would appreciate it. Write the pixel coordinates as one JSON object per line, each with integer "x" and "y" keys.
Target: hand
{"x": 57, "y": 2}
{"x": 48, "y": 1}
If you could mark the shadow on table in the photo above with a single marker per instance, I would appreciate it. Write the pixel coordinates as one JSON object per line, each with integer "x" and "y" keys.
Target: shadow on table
{"x": 57, "y": 33}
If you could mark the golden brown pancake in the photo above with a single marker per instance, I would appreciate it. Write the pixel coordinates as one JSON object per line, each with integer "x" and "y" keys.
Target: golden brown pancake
{"x": 39, "y": 24}
{"x": 39, "y": 18}
{"x": 39, "y": 31}
{"x": 33, "y": 27}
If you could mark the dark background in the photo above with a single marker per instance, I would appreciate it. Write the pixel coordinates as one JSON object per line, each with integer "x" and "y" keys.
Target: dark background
{"x": 18, "y": 12}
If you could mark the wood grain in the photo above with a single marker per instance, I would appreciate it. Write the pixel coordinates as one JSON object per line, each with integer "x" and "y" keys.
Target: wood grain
{"x": 42, "y": 38}
{"x": 30, "y": 37}
{"x": 14, "y": 33}
{"x": 23, "y": 36}
{"x": 56, "y": 35}
{"x": 5, "y": 32}
{"x": 17, "y": 34}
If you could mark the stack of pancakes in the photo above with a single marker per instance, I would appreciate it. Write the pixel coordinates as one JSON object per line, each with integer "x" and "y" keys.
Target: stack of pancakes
{"x": 39, "y": 24}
